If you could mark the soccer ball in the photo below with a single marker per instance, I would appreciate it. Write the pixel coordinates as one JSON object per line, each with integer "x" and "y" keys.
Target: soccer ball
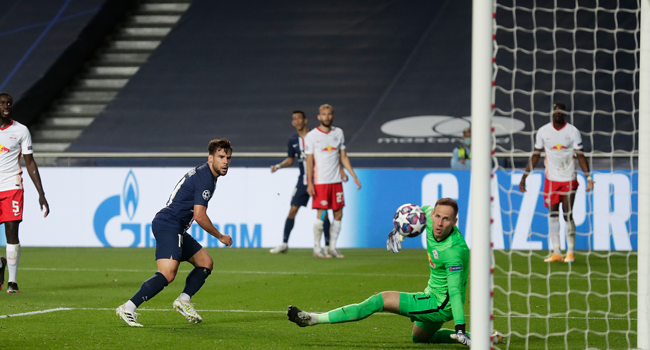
{"x": 410, "y": 220}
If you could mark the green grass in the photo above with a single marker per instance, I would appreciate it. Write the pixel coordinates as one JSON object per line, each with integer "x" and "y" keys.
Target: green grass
{"x": 243, "y": 302}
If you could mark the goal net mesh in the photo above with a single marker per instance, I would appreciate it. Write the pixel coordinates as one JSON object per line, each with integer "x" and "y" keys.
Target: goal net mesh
{"x": 584, "y": 54}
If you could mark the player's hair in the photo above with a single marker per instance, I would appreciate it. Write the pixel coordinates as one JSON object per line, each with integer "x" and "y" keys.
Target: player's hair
{"x": 3, "y": 93}
{"x": 218, "y": 144}
{"x": 466, "y": 130}
{"x": 300, "y": 112}
{"x": 559, "y": 105}
{"x": 448, "y": 202}
{"x": 326, "y": 106}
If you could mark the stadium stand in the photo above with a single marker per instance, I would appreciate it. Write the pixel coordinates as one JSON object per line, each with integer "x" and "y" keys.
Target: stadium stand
{"x": 237, "y": 70}
{"x": 44, "y": 43}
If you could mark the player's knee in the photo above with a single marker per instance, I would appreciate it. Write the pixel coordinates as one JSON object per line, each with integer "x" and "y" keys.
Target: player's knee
{"x": 169, "y": 275}
{"x": 418, "y": 340}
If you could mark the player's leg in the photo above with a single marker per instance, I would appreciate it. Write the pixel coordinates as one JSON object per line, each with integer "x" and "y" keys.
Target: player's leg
{"x": 13, "y": 255}
{"x": 288, "y": 226}
{"x": 567, "y": 207}
{"x": 335, "y": 230}
{"x": 196, "y": 255}
{"x": 11, "y": 213}
{"x": 326, "y": 230}
{"x": 318, "y": 233}
{"x": 168, "y": 257}
{"x": 348, "y": 313}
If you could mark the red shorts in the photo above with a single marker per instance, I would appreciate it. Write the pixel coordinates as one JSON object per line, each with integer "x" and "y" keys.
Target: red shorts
{"x": 328, "y": 196}
{"x": 554, "y": 190}
{"x": 11, "y": 206}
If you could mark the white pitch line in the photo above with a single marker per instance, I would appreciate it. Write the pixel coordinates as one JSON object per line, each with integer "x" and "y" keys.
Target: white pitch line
{"x": 284, "y": 312}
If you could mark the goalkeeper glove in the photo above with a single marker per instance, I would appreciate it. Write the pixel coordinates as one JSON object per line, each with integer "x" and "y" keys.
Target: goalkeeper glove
{"x": 460, "y": 335}
{"x": 394, "y": 242}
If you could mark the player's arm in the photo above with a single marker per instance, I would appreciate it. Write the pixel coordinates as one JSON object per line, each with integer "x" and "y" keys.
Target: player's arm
{"x": 32, "y": 170}
{"x": 310, "y": 174}
{"x": 201, "y": 218}
{"x": 455, "y": 286}
{"x": 283, "y": 164}
{"x": 348, "y": 166}
{"x": 344, "y": 176}
{"x": 532, "y": 162}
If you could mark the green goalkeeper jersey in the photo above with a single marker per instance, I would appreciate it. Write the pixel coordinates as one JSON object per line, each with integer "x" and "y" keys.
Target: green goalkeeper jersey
{"x": 449, "y": 265}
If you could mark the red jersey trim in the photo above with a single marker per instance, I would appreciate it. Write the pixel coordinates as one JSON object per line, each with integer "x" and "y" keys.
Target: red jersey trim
{"x": 318, "y": 127}
{"x": 565, "y": 123}
{"x": 11, "y": 122}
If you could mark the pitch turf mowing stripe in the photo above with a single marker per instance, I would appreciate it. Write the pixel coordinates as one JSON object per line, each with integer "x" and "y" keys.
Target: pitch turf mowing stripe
{"x": 561, "y": 276}
{"x": 283, "y": 312}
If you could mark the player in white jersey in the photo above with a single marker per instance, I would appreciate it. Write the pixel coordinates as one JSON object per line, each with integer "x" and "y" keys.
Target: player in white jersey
{"x": 325, "y": 150}
{"x": 15, "y": 141}
{"x": 560, "y": 141}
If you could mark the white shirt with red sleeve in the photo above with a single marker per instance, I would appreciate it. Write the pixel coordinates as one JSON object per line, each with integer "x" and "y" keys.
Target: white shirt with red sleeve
{"x": 560, "y": 146}
{"x": 14, "y": 141}
{"x": 325, "y": 147}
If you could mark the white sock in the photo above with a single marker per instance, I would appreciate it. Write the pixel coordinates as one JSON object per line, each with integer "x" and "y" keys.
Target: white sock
{"x": 571, "y": 236}
{"x": 335, "y": 229}
{"x": 554, "y": 232}
{"x": 185, "y": 296}
{"x": 13, "y": 257}
{"x": 130, "y": 306}
{"x": 318, "y": 232}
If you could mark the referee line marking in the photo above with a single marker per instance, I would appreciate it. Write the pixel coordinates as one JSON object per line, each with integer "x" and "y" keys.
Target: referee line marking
{"x": 563, "y": 277}
{"x": 30, "y": 313}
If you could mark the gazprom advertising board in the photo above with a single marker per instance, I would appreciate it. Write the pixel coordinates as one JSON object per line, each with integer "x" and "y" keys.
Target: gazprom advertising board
{"x": 113, "y": 207}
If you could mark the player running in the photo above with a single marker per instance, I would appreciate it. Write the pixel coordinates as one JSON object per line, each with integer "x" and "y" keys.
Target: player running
{"x": 441, "y": 301}
{"x": 325, "y": 150}
{"x": 300, "y": 196}
{"x": 15, "y": 141}
{"x": 560, "y": 140}
{"x": 188, "y": 202}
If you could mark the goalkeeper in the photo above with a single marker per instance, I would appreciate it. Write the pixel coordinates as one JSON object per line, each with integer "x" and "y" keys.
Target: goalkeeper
{"x": 440, "y": 302}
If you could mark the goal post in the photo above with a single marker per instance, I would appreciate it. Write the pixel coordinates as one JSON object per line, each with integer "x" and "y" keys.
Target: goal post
{"x": 481, "y": 111}
{"x": 643, "y": 298}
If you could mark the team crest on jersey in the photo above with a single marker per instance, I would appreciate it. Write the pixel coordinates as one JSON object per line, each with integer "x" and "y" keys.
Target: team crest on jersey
{"x": 435, "y": 254}
{"x": 13, "y": 137}
{"x": 329, "y": 149}
{"x": 207, "y": 195}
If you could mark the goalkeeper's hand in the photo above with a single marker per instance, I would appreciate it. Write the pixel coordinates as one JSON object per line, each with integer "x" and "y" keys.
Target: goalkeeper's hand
{"x": 461, "y": 336}
{"x": 394, "y": 241}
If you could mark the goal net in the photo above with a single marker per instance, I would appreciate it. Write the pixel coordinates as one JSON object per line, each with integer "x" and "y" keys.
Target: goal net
{"x": 584, "y": 54}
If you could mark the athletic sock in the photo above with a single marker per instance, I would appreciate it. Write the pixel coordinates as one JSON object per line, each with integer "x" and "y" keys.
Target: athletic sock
{"x": 150, "y": 288}
{"x": 13, "y": 257}
{"x": 185, "y": 297}
{"x": 354, "y": 312}
{"x": 195, "y": 280}
{"x": 570, "y": 236}
{"x": 335, "y": 229}
{"x": 554, "y": 232}
{"x": 288, "y": 226}
{"x": 318, "y": 232}
{"x": 130, "y": 306}
{"x": 326, "y": 230}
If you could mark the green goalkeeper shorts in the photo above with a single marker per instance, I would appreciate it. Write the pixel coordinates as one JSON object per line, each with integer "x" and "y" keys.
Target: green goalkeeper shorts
{"x": 423, "y": 309}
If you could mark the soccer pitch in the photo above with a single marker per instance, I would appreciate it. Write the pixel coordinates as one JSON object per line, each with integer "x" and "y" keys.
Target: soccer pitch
{"x": 68, "y": 297}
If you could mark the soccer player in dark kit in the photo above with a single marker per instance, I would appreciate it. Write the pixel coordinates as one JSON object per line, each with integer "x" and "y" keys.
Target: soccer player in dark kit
{"x": 188, "y": 202}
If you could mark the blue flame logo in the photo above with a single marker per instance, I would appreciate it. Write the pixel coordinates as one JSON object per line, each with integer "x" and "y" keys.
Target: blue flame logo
{"x": 130, "y": 195}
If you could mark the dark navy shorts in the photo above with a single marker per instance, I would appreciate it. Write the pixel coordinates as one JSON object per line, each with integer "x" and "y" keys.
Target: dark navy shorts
{"x": 173, "y": 243}
{"x": 300, "y": 195}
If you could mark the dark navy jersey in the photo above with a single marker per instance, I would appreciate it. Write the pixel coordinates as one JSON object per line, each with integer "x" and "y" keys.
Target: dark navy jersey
{"x": 297, "y": 151}
{"x": 196, "y": 187}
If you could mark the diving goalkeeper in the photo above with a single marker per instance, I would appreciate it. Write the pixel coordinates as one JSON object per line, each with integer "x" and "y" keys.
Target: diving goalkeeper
{"x": 441, "y": 301}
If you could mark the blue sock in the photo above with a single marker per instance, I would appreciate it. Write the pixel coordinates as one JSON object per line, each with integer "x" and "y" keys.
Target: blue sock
{"x": 195, "y": 280}
{"x": 150, "y": 288}
{"x": 288, "y": 226}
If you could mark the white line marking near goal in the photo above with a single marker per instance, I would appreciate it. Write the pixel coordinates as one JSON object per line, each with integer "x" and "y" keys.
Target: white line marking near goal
{"x": 282, "y": 312}
{"x": 37, "y": 312}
